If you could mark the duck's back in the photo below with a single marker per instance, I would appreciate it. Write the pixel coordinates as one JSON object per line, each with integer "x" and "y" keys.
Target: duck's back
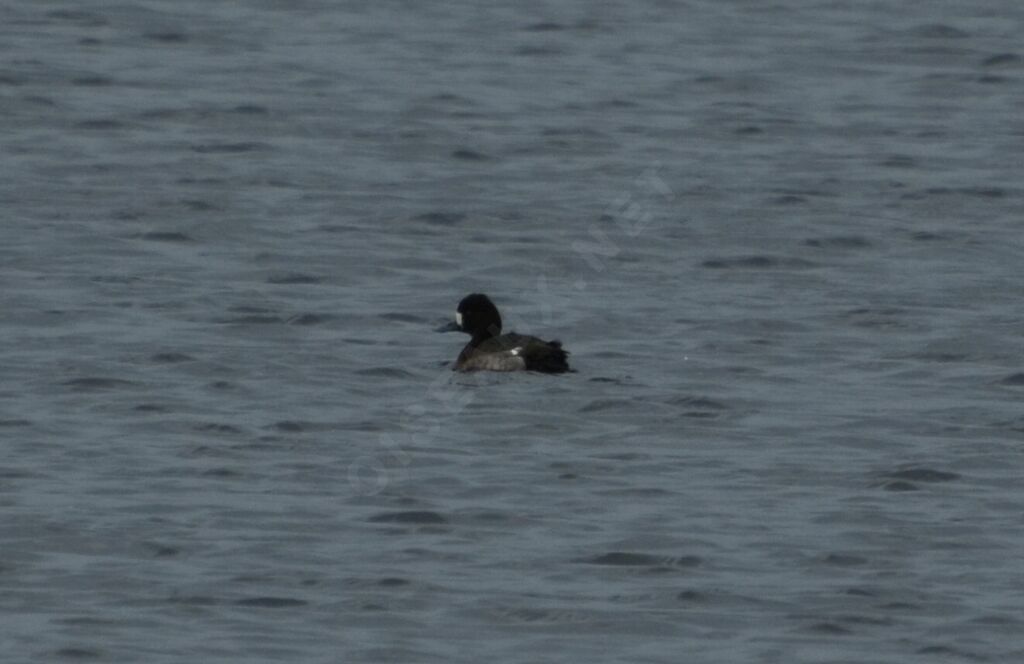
{"x": 514, "y": 352}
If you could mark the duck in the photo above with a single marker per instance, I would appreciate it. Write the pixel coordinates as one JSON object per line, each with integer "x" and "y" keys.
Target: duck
{"x": 490, "y": 350}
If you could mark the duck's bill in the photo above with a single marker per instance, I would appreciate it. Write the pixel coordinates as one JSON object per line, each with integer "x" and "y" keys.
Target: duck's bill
{"x": 450, "y": 326}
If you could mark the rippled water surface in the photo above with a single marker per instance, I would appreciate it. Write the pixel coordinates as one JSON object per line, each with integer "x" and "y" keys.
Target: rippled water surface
{"x": 781, "y": 240}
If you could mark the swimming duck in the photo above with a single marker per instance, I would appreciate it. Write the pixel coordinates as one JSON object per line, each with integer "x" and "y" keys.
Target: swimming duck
{"x": 490, "y": 350}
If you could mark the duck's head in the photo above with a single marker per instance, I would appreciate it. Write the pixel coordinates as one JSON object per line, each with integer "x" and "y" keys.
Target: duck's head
{"x": 477, "y": 316}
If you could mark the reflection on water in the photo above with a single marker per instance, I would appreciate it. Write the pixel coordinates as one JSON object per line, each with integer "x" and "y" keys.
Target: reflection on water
{"x": 780, "y": 241}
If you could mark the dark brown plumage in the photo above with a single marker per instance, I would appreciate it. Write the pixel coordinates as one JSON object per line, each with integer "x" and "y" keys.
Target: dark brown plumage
{"x": 490, "y": 350}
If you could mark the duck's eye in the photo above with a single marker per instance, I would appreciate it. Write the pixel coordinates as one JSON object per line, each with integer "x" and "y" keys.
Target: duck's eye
{"x": 458, "y": 319}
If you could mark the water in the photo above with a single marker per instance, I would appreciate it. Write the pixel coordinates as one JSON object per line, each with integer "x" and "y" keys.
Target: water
{"x": 782, "y": 242}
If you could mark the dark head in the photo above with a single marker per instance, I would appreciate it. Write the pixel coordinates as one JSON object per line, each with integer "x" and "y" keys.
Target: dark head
{"x": 477, "y": 316}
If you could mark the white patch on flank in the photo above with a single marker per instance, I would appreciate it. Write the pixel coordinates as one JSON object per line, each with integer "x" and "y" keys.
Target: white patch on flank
{"x": 458, "y": 319}
{"x": 515, "y": 351}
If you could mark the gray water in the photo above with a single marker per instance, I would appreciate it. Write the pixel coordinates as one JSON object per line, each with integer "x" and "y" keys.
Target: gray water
{"x": 781, "y": 240}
